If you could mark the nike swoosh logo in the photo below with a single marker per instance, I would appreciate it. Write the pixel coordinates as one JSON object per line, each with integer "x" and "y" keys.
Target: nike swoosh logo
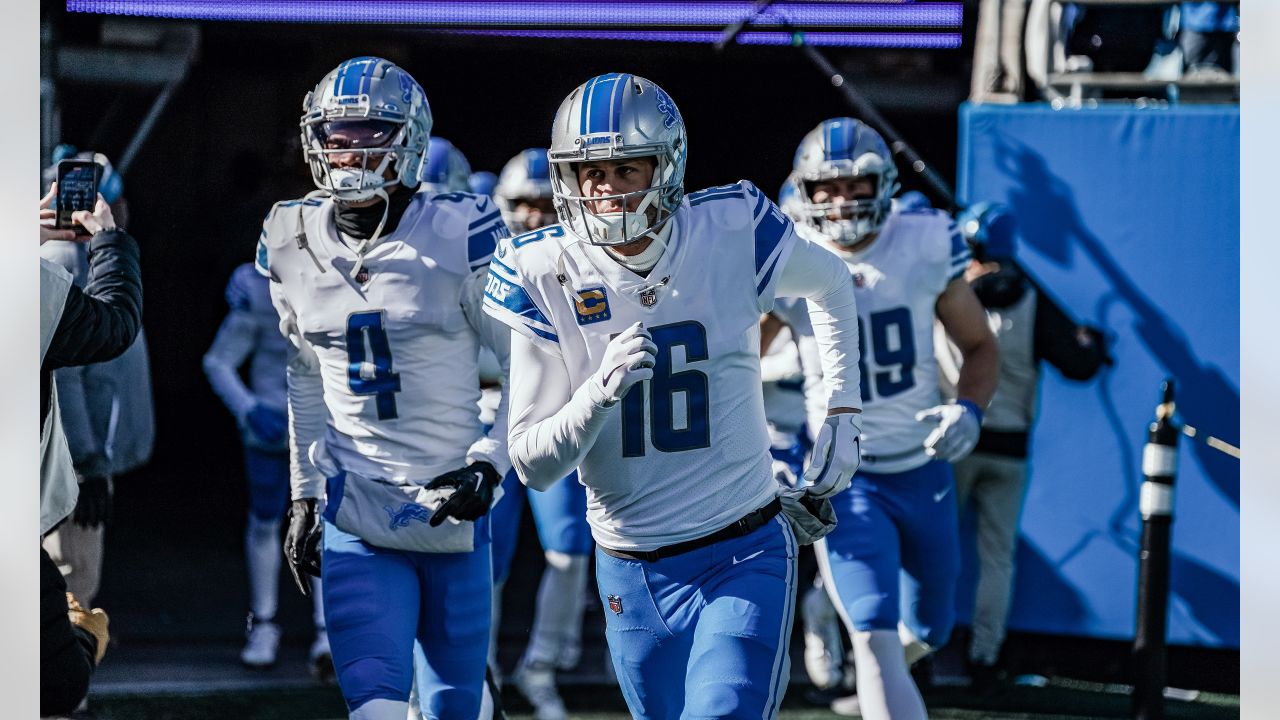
{"x": 937, "y": 497}
{"x": 736, "y": 560}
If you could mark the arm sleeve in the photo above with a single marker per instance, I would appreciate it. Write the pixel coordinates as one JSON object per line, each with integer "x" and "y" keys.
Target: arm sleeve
{"x": 236, "y": 338}
{"x": 88, "y": 451}
{"x": 307, "y": 412}
{"x": 552, "y": 426}
{"x": 101, "y": 322}
{"x": 820, "y": 277}
{"x": 491, "y": 448}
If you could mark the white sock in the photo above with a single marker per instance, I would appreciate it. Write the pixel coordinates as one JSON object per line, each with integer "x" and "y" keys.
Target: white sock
{"x": 263, "y": 557}
{"x": 381, "y": 709}
{"x": 885, "y": 688}
{"x": 557, "y": 619}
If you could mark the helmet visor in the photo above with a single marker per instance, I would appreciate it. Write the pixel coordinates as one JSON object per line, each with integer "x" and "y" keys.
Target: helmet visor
{"x": 356, "y": 134}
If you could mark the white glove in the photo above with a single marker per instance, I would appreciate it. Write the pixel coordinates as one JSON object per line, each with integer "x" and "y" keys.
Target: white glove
{"x": 628, "y": 359}
{"x": 957, "y": 431}
{"x": 810, "y": 517}
{"x": 835, "y": 456}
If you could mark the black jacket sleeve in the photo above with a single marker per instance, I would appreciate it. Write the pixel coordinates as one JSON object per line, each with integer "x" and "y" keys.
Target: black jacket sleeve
{"x": 101, "y": 321}
{"x": 1078, "y": 351}
{"x": 66, "y": 651}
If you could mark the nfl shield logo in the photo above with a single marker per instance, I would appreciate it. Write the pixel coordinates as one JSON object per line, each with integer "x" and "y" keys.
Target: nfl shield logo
{"x": 615, "y": 604}
{"x": 649, "y": 297}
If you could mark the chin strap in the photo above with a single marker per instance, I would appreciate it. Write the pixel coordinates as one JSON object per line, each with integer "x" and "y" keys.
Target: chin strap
{"x": 300, "y": 237}
{"x": 368, "y": 243}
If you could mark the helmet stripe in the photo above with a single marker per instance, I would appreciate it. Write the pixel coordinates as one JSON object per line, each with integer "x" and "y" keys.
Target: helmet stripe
{"x": 615, "y": 100}
{"x": 600, "y": 102}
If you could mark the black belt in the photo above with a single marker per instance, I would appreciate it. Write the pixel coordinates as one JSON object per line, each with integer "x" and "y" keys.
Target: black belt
{"x": 748, "y": 523}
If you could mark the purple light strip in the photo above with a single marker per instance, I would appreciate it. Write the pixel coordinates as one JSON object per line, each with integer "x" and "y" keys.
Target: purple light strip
{"x": 533, "y": 12}
{"x": 938, "y": 41}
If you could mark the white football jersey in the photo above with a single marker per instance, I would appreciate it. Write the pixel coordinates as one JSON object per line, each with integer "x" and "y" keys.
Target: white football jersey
{"x": 249, "y": 293}
{"x": 687, "y": 452}
{"x": 397, "y": 353}
{"x": 897, "y": 281}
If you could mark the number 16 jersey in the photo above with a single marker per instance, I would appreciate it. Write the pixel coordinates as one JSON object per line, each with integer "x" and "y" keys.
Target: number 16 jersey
{"x": 686, "y": 453}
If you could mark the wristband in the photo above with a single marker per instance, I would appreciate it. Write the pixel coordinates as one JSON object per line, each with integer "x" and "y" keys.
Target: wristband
{"x": 972, "y": 407}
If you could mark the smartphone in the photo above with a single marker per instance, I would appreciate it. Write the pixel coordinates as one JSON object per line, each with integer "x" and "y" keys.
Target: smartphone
{"x": 77, "y": 190}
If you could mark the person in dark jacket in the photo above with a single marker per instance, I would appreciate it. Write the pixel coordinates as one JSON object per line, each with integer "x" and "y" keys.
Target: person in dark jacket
{"x": 76, "y": 327}
{"x": 1030, "y": 328}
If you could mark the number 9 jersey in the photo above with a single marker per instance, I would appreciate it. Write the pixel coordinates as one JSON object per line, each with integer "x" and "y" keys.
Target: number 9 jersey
{"x": 897, "y": 280}
{"x": 394, "y": 344}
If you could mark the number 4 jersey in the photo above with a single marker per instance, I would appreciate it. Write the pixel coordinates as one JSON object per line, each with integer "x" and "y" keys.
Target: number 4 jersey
{"x": 897, "y": 280}
{"x": 686, "y": 453}
{"x": 395, "y": 346}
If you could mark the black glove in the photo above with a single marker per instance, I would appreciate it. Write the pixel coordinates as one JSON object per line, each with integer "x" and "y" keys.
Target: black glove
{"x": 473, "y": 492}
{"x": 93, "y": 508}
{"x": 302, "y": 542}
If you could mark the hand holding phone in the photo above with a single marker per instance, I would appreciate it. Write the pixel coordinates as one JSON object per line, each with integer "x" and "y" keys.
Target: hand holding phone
{"x": 77, "y": 191}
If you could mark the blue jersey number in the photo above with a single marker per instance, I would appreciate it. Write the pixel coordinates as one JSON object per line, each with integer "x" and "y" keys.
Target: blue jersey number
{"x": 893, "y": 348}
{"x": 369, "y": 361}
{"x": 668, "y": 389}
{"x": 520, "y": 241}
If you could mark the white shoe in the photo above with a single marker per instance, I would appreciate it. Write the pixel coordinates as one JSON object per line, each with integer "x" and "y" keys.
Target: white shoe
{"x": 262, "y": 644}
{"x": 847, "y": 706}
{"x": 538, "y": 685}
{"x": 320, "y": 660}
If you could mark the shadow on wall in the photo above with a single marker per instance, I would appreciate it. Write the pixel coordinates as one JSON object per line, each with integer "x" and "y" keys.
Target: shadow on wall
{"x": 1051, "y": 223}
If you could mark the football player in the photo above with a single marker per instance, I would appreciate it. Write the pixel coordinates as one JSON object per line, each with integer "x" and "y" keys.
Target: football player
{"x": 378, "y": 290}
{"x": 249, "y": 333}
{"x": 891, "y": 563}
{"x": 524, "y": 194}
{"x": 636, "y": 359}
{"x": 444, "y": 168}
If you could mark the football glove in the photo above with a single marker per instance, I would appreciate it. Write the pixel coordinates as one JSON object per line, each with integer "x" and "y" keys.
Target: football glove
{"x": 472, "y": 492}
{"x": 836, "y": 455}
{"x": 93, "y": 507}
{"x": 267, "y": 424}
{"x": 302, "y": 542}
{"x": 628, "y": 359}
{"x": 810, "y": 516}
{"x": 957, "y": 433}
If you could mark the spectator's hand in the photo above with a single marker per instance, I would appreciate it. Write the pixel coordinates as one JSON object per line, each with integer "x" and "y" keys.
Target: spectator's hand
{"x": 48, "y": 218}
{"x": 1094, "y": 339}
{"x": 97, "y": 221}
{"x": 92, "y": 621}
{"x": 957, "y": 431}
{"x": 302, "y": 542}
{"x": 93, "y": 507}
{"x": 836, "y": 455}
{"x": 472, "y": 495}
{"x": 267, "y": 424}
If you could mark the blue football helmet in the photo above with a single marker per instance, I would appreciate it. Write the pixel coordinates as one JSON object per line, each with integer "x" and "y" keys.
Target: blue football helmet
{"x": 445, "y": 168}
{"x": 617, "y": 116}
{"x": 373, "y": 109}
{"x": 844, "y": 148}
{"x": 990, "y": 229}
{"x": 482, "y": 182}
